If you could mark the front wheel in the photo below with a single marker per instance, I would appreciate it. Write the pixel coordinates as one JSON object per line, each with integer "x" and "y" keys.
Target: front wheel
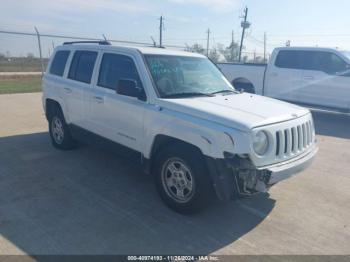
{"x": 182, "y": 180}
{"x": 246, "y": 87}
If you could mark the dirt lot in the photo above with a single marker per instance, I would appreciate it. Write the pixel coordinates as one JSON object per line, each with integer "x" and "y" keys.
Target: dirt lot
{"x": 90, "y": 201}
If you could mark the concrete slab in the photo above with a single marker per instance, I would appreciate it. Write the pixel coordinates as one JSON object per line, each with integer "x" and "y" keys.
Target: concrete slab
{"x": 90, "y": 201}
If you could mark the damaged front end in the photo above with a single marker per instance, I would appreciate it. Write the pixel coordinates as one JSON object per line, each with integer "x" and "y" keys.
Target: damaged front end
{"x": 236, "y": 175}
{"x": 247, "y": 179}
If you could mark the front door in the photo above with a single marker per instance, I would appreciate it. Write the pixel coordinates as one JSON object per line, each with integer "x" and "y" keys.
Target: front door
{"x": 326, "y": 81}
{"x": 113, "y": 116}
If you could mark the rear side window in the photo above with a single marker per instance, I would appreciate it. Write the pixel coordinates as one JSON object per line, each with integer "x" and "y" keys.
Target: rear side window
{"x": 59, "y": 63}
{"x": 289, "y": 59}
{"x": 115, "y": 67}
{"x": 82, "y": 66}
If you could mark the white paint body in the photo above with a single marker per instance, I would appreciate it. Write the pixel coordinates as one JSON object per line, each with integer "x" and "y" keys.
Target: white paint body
{"x": 307, "y": 87}
{"x": 223, "y": 123}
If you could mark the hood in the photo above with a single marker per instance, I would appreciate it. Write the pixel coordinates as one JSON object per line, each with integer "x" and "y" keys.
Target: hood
{"x": 241, "y": 111}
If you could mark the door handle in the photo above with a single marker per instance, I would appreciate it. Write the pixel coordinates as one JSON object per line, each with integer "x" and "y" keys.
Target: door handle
{"x": 68, "y": 90}
{"x": 309, "y": 78}
{"x": 98, "y": 99}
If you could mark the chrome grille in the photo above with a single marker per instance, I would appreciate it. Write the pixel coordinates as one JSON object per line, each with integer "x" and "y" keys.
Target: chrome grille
{"x": 294, "y": 140}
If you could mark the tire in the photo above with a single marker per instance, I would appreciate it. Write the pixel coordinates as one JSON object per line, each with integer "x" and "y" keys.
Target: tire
{"x": 182, "y": 169}
{"x": 246, "y": 87}
{"x": 60, "y": 134}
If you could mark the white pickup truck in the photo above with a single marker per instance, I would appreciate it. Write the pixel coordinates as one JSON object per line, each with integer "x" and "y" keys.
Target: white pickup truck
{"x": 312, "y": 76}
{"x": 184, "y": 121}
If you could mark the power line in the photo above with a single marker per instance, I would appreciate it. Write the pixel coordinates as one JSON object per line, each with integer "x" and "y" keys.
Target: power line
{"x": 261, "y": 42}
{"x": 187, "y": 38}
{"x": 309, "y": 35}
{"x": 214, "y": 42}
{"x": 87, "y": 38}
{"x": 73, "y": 37}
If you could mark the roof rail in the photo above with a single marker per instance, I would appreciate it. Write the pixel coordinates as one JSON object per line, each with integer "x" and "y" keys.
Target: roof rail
{"x": 88, "y": 42}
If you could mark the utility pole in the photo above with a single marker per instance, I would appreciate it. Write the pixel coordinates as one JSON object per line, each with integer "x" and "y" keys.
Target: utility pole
{"x": 265, "y": 47}
{"x": 208, "y": 35}
{"x": 232, "y": 45}
{"x": 161, "y": 31}
{"x": 254, "y": 55}
{"x": 245, "y": 24}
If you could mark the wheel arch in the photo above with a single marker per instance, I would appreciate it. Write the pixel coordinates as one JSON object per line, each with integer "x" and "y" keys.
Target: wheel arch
{"x": 245, "y": 84}
{"x": 162, "y": 141}
{"x": 219, "y": 175}
{"x": 50, "y": 106}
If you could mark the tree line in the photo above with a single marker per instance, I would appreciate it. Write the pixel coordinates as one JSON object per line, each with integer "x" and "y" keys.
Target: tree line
{"x": 222, "y": 53}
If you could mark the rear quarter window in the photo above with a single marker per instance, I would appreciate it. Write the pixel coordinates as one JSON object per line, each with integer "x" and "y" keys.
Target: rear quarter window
{"x": 288, "y": 59}
{"x": 59, "y": 63}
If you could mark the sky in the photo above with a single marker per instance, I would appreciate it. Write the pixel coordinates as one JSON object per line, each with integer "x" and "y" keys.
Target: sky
{"x": 303, "y": 22}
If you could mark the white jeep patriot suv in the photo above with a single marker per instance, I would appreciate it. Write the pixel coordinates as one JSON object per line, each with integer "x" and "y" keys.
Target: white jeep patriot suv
{"x": 190, "y": 128}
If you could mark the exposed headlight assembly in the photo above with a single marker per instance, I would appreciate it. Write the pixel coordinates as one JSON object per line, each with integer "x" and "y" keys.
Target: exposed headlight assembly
{"x": 260, "y": 143}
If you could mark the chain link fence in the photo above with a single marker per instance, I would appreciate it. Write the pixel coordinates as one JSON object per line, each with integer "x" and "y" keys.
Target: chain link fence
{"x": 30, "y": 51}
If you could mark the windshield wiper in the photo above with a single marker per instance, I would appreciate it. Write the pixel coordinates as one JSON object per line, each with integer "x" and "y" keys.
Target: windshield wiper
{"x": 224, "y": 91}
{"x": 187, "y": 94}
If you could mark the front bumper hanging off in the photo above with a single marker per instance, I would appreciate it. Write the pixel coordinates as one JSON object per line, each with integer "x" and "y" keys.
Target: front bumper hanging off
{"x": 238, "y": 176}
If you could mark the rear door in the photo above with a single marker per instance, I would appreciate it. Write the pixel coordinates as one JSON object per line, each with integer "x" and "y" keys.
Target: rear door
{"x": 326, "y": 80}
{"x": 283, "y": 76}
{"x": 54, "y": 81}
{"x": 79, "y": 80}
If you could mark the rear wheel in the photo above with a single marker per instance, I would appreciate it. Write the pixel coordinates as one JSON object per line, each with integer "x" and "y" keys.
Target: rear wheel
{"x": 61, "y": 137}
{"x": 182, "y": 180}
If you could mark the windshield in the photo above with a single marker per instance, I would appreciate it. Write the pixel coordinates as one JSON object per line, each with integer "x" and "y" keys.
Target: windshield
{"x": 346, "y": 53}
{"x": 181, "y": 76}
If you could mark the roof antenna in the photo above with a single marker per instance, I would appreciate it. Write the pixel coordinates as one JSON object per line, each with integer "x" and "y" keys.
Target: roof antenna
{"x": 154, "y": 42}
{"x": 104, "y": 37}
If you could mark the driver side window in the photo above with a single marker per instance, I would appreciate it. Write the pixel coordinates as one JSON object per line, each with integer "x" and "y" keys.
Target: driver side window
{"x": 115, "y": 67}
{"x": 337, "y": 65}
{"x": 326, "y": 62}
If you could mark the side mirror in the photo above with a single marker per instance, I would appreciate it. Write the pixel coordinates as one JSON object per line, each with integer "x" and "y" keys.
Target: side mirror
{"x": 128, "y": 87}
